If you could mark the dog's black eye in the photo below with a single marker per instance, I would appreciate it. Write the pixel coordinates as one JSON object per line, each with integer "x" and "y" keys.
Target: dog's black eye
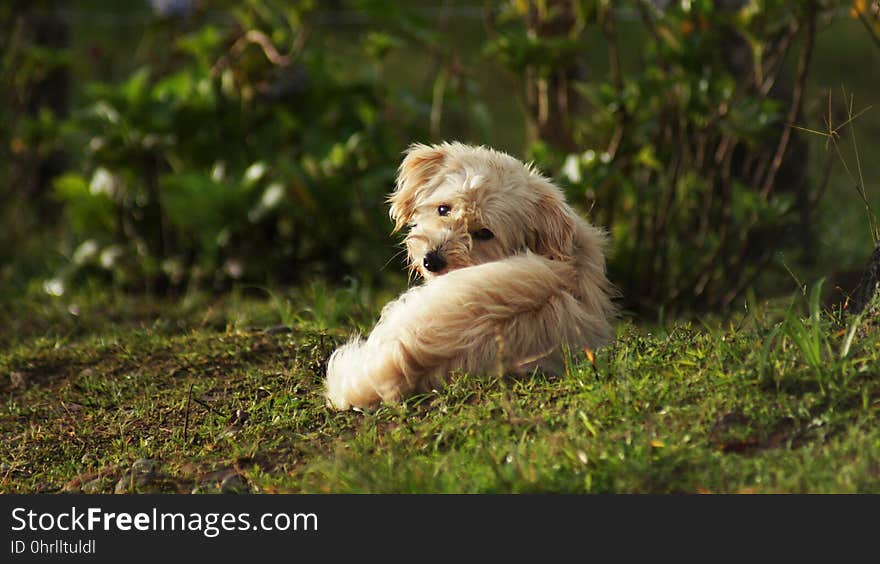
{"x": 482, "y": 235}
{"x": 443, "y": 210}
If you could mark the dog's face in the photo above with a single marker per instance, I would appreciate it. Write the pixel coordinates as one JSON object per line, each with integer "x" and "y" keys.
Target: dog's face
{"x": 471, "y": 205}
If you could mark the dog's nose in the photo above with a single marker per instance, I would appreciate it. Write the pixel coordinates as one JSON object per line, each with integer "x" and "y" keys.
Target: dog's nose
{"x": 434, "y": 262}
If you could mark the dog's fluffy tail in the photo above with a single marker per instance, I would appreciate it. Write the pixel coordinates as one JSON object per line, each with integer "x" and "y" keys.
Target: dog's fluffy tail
{"x": 355, "y": 376}
{"x": 342, "y": 372}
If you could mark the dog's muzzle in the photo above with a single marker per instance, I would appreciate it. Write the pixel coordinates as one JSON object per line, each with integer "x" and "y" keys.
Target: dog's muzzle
{"x": 434, "y": 262}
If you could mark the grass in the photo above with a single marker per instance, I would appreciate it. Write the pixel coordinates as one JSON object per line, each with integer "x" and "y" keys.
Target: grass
{"x": 212, "y": 395}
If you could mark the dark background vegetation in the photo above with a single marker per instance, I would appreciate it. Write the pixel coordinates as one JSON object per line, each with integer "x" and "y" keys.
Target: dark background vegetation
{"x": 192, "y": 218}
{"x": 171, "y": 146}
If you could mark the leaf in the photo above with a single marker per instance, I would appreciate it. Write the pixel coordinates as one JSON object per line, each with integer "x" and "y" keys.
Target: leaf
{"x": 589, "y": 425}
{"x": 135, "y": 90}
{"x": 90, "y": 213}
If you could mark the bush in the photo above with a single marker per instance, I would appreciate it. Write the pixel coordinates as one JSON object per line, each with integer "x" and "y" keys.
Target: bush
{"x": 234, "y": 159}
{"x": 33, "y": 89}
{"x": 254, "y": 142}
{"x": 686, "y": 154}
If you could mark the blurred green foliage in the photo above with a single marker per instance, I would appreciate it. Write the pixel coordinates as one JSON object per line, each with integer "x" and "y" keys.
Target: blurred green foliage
{"x": 254, "y": 141}
{"x": 237, "y": 159}
{"x": 687, "y": 157}
{"x": 33, "y": 103}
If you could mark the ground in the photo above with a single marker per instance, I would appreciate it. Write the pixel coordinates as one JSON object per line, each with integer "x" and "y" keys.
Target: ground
{"x": 224, "y": 394}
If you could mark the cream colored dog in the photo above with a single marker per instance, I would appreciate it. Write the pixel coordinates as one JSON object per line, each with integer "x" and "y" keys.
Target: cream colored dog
{"x": 513, "y": 278}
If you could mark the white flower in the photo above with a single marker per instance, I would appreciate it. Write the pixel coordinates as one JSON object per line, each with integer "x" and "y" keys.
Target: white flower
{"x": 572, "y": 169}
{"x": 53, "y": 287}
{"x": 85, "y": 252}
{"x": 254, "y": 172}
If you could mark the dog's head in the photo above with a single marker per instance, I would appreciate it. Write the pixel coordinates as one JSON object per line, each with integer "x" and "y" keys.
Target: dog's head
{"x": 469, "y": 205}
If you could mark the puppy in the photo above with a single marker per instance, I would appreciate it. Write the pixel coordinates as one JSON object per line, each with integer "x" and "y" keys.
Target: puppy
{"x": 513, "y": 278}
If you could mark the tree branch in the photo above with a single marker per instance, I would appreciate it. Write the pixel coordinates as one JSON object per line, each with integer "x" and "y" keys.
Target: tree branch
{"x": 794, "y": 109}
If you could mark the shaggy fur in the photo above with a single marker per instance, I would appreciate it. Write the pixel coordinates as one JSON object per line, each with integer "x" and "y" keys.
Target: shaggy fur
{"x": 510, "y": 299}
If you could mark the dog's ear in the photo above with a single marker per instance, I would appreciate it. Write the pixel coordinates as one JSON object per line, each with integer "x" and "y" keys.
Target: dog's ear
{"x": 419, "y": 166}
{"x": 553, "y": 223}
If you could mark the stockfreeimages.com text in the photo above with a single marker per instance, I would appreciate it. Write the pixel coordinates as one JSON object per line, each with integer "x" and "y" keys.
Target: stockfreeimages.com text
{"x": 209, "y": 524}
